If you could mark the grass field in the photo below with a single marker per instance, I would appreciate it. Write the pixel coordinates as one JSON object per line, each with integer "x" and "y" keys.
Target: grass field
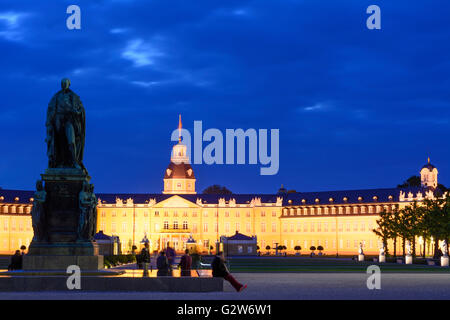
{"x": 305, "y": 264}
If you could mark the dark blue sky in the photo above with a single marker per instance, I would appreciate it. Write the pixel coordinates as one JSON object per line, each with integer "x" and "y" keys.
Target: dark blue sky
{"x": 356, "y": 108}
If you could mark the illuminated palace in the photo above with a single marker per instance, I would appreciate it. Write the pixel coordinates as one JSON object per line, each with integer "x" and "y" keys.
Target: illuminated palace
{"x": 336, "y": 220}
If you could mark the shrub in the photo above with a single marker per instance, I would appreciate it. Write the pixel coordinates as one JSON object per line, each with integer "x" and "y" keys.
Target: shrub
{"x": 297, "y": 248}
{"x": 267, "y": 247}
{"x": 320, "y": 248}
{"x": 312, "y": 248}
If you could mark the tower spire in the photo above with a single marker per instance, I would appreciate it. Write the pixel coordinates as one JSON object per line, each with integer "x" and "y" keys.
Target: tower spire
{"x": 179, "y": 129}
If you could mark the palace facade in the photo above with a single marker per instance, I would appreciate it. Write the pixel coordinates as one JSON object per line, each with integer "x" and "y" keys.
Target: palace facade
{"x": 336, "y": 220}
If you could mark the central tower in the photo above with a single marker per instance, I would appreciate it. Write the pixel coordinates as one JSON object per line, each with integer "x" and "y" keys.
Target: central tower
{"x": 179, "y": 177}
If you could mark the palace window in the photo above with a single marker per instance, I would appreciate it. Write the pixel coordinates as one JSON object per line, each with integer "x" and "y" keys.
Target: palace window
{"x": 341, "y": 226}
{"x": 248, "y": 228}
{"x": 113, "y": 214}
{"x": 5, "y": 225}
{"x": 227, "y": 227}
{"x": 185, "y": 214}
{"x": 325, "y": 226}
{"x": 156, "y": 213}
{"x": 326, "y": 210}
{"x": 20, "y": 225}
{"x": 312, "y": 226}
{"x": 103, "y": 214}
{"x": 124, "y": 227}
{"x": 348, "y": 227}
{"x": 156, "y": 227}
{"x": 13, "y": 225}
{"x": 205, "y": 214}
{"x": 363, "y": 226}
{"x": 370, "y": 209}
{"x": 299, "y": 227}
{"x": 175, "y": 225}
{"x": 355, "y": 210}
{"x": 237, "y": 214}
{"x": 175, "y": 214}
{"x": 347, "y": 210}
{"x": 274, "y": 214}
{"x": 274, "y": 227}
{"x": 333, "y": 210}
{"x": 124, "y": 214}
{"x": 341, "y": 210}
{"x": 113, "y": 227}
{"x": 305, "y": 227}
{"x": 319, "y": 210}
{"x": 363, "y": 209}
{"x": 227, "y": 214}
{"x": 166, "y": 214}
{"x": 263, "y": 227}
{"x": 319, "y": 227}
{"x": 216, "y": 227}
{"x": 248, "y": 214}
{"x": 205, "y": 227}
{"x": 333, "y": 227}
{"x": 285, "y": 227}
{"x": 185, "y": 225}
{"x": 145, "y": 214}
{"x": 194, "y": 228}
{"x": 166, "y": 225}
{"x": 355, "y": 226}
{"x": 179, "y": 185}
{"x": 263, "y": 213}
{"x": 305, "y": 211}
{"x": 238, "y": 227}
{"x": 194, "y": 214}
{"x": 292, "y": 227}
{"x": 145, "y": 227}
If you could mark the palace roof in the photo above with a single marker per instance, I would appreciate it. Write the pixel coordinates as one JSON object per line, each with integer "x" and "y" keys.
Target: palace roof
{"x": 289, "y": 199}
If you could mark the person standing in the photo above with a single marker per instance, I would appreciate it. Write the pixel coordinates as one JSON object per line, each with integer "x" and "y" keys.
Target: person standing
{"x": 219, "y": 269}
{"x": 144, "y": 258}
{"x": 185, "y": 264}
{"x": 162, "y": 264}
{"x": 170, "y": 254}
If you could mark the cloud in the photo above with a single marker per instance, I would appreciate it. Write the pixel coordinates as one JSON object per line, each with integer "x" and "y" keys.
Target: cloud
{"x": 9, "y": 25}
{"x": 140, "y": 53}
{"x": 316, "y": 107}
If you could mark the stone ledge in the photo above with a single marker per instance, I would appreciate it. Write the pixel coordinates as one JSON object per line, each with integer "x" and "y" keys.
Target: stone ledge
{"x": 62, "y": 262}
{"x": 114, "y": 284}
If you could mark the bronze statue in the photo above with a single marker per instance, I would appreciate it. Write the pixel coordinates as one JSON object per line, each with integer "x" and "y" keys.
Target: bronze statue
{"x": 37, "y": 213}
{"x": 66, "y": 126}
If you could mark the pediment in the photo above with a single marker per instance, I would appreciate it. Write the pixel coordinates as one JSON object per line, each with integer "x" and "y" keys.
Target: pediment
{"x": 175, "y": 202}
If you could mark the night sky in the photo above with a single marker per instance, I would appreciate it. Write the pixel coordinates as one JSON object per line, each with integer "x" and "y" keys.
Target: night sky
{"x": 356, "y": 108}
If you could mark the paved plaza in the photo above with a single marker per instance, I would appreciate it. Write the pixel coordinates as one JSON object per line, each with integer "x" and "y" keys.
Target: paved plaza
{"x": 289, "y": 286}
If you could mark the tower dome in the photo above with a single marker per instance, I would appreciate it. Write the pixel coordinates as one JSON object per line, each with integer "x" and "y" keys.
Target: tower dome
{"x": 428, "y": 176}
{"x": 179, "y": 177}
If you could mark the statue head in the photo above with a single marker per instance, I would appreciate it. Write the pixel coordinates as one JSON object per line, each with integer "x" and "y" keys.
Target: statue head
{"x": 39, "y": 186}
{"x": 65, "y": 84}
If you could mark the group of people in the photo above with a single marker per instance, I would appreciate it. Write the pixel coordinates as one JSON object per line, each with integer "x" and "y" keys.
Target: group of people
{"x": 165, "y": 262}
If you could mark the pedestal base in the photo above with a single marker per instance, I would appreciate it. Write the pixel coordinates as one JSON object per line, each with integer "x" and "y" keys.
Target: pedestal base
{"x": 361, "y": 257}
{"x": 408, "y": 259}
{"x": 382, "y": 258}
{"x": 63, "y": 249}
{"x": 444, "y": 261}
{"x": 62, "y": 262}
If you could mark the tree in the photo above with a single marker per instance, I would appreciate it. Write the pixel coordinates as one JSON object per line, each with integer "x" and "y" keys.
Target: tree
{"x": 320, "y": 248}
{"x": 413, "y": 181}
{"x": 297, "y": 248}
{"x": 268, "y": 248}
{"x": 312, "y": 248}
{"x": 216, "y": 189}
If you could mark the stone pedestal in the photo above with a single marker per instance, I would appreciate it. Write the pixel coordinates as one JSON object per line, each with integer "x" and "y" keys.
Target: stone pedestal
{"x": 408, "y": 259}
{"x": 444, "y": 261}
{"x": 360, "y": 257}
{"x": 382, "y": 258}
{"x": 60, "y": 244}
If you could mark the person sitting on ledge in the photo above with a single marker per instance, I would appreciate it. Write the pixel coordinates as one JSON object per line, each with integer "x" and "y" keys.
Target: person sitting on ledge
{"x": 16, "y": 261}
{"x": 163, "y": 265}
{"x": 219, "y": 269}
{"x": 185, "y": 264}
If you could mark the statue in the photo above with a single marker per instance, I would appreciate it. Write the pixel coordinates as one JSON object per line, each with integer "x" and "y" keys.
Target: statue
{"x": 382, "y": 249}
{"x": 360, "y": 250}
{"x": 85, "y": 206}
{"x": 93, "y": 213}
{"x": 444, "y": 248}
{"x": 37, "y": 213}
{"x": 66, "y": 128}
{"x": 408, "y": 248}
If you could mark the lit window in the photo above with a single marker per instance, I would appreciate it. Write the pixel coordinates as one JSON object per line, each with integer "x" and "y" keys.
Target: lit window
{"x": 166, "y": 225}
{"x": 185, "y": 225}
